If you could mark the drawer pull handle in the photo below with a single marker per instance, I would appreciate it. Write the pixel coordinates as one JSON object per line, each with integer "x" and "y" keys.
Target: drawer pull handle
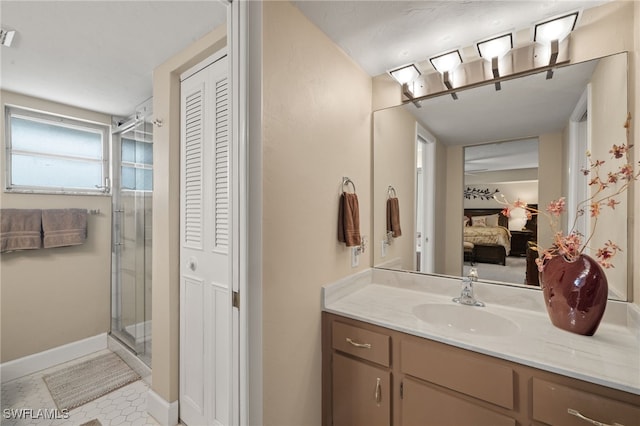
{"x": 378, "y": 394}
{"x": 359, "y": 345}
{"x": 587, "y": 419}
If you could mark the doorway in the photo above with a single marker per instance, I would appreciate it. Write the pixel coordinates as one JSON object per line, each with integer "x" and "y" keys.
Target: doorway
{"x": 206, "y": 296}
{"x": 425, "y": 200}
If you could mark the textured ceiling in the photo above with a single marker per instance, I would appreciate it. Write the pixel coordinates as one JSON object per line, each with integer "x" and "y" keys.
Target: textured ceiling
{"x": 97, "y": 55}
{"x": 382, "y": 35}
{"x": 100, "y": 55}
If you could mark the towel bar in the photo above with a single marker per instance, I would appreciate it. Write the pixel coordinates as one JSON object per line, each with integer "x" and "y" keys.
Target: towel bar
{"x": 93, "y": 211}
{"x": 347, "y": 181}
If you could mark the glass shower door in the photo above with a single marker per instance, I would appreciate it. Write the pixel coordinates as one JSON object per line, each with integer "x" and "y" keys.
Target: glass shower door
{"x": 132, "y": 220}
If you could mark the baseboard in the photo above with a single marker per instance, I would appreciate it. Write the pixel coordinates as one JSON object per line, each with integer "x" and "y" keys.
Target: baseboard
{"x": 164, "y": 412}
{"x": 30, "y": 364}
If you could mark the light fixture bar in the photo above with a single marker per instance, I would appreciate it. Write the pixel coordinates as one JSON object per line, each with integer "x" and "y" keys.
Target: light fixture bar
{"x": 555, "y": 29}
{"x": 449, "y": 86}
{"x": 405, "y": 74}
{"x": 496, "y": 71}
{"x": 496, "y": 46}
{"x": 447, "y": 61}
{"x": 409, "y": 94}
{"x": 553, "y": 58}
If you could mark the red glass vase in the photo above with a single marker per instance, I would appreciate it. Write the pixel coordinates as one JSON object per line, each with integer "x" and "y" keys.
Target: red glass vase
{"x": 575, "y": 293}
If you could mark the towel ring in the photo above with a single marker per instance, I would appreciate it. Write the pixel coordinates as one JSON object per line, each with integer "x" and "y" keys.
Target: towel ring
{"x": 391, "y": 192}
{"x": 346, "y": 181}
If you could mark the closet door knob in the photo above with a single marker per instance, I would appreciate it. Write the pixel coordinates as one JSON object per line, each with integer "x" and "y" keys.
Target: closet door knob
{"x": 192, "y": 264}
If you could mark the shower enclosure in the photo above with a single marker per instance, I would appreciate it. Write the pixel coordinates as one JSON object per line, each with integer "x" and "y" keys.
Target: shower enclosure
{"x": 131, "y": 251}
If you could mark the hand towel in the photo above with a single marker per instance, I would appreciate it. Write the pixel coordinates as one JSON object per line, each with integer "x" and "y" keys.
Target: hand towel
{"x": 20, "y": 229}
{"x": 64, "y": 227}
{"x": 349, "y": 220}
{"x": 393, "y": 217}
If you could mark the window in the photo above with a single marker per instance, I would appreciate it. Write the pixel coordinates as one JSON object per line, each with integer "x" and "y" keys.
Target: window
{"x": 137, "y": 165}
{"x": 48, "y": 153}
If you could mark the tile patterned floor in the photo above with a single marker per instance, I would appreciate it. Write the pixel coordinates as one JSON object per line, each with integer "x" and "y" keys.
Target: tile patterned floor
{"x": 124, "y": 406}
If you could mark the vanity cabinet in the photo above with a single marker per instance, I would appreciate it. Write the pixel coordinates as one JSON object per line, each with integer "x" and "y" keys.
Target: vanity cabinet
{"x": 386, "y": 377}
{"x": 360, "y": 378}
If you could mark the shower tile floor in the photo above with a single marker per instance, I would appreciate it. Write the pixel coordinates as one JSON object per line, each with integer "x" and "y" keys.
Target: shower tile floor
{"x": 124, "y": 406}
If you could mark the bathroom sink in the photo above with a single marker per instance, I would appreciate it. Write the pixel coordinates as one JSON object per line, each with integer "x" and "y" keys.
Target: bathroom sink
{"x": 466, "y": 319}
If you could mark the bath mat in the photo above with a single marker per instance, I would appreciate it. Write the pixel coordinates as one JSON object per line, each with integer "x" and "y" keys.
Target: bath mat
{"x": 78, "y": 384}
{"x": 94, "y": 422}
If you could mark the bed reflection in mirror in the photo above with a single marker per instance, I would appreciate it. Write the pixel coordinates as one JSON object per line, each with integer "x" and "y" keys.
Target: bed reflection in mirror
{"x": 447, "y": 159}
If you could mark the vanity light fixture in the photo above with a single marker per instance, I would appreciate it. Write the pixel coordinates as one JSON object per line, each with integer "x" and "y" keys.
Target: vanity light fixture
{"x": 6, "y": 37}
{"x": 493, "y": 49}
{"x": 445, "y": 64}
{"x": 405, "y": 74}
{"x": 555, "y": 29}
{"x": 447, "y": 61}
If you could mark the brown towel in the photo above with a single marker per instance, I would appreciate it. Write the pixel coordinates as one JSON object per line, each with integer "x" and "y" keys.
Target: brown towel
{"x": 20, "y": 229}
{"x": 393, "y": 217}
{"x": 349, "y": 220}
{"x": 64, "y": 227}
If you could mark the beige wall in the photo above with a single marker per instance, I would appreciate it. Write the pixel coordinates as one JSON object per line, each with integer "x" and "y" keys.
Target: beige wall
{"x": 607, "y": 118}
{"x": 394, "y": 143}
{"x": 166, "y": 211}
{"x": 550, "y": 179}
{"x": 51, "y": 297}
{"x": 316, "y": 129}
{"x": 453, "y": 206}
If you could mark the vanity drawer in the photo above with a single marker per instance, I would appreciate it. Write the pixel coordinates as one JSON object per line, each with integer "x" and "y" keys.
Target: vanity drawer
{"x": 552, "y": 402}
{"x": 459, "y": 370}
{"x": 365, "y": 344}
{"x": 423, "y": 405}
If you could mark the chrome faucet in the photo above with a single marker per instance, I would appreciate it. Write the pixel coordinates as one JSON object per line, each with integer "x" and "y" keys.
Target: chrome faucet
{"x": 466, "y": 294}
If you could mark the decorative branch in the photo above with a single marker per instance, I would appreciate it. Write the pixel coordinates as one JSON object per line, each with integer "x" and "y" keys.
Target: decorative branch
{"x": 483, "y": 194}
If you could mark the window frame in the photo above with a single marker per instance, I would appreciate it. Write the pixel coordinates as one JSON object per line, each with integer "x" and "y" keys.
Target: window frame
{"x": 49, "y": 118}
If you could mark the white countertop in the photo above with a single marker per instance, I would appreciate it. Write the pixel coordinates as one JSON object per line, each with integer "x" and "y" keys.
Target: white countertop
{"x": 611, "y": 357}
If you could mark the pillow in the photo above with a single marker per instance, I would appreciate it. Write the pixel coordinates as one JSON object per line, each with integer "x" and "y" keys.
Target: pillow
{"x": 492, "y": 220}
{"x": 465, "y": 221}
{"x": 479, "y": 221}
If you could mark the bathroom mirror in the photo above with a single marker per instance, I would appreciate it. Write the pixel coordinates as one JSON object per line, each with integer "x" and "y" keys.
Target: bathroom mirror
{"x": 527, "y": 140}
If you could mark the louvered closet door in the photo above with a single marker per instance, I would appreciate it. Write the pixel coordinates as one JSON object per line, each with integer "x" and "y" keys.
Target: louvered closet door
{"x": 205, "y": 287}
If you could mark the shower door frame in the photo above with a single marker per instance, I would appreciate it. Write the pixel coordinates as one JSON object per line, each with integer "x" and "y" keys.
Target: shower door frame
{"x": 139, "y": 339}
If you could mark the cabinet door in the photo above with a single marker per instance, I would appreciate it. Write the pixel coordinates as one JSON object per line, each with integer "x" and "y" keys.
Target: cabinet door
{"x": 423, "y": 405}
{"x": 361, "y": 393}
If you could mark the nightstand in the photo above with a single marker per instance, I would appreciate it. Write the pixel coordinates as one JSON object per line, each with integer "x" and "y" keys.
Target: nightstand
{"x": 519, "y": 240}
